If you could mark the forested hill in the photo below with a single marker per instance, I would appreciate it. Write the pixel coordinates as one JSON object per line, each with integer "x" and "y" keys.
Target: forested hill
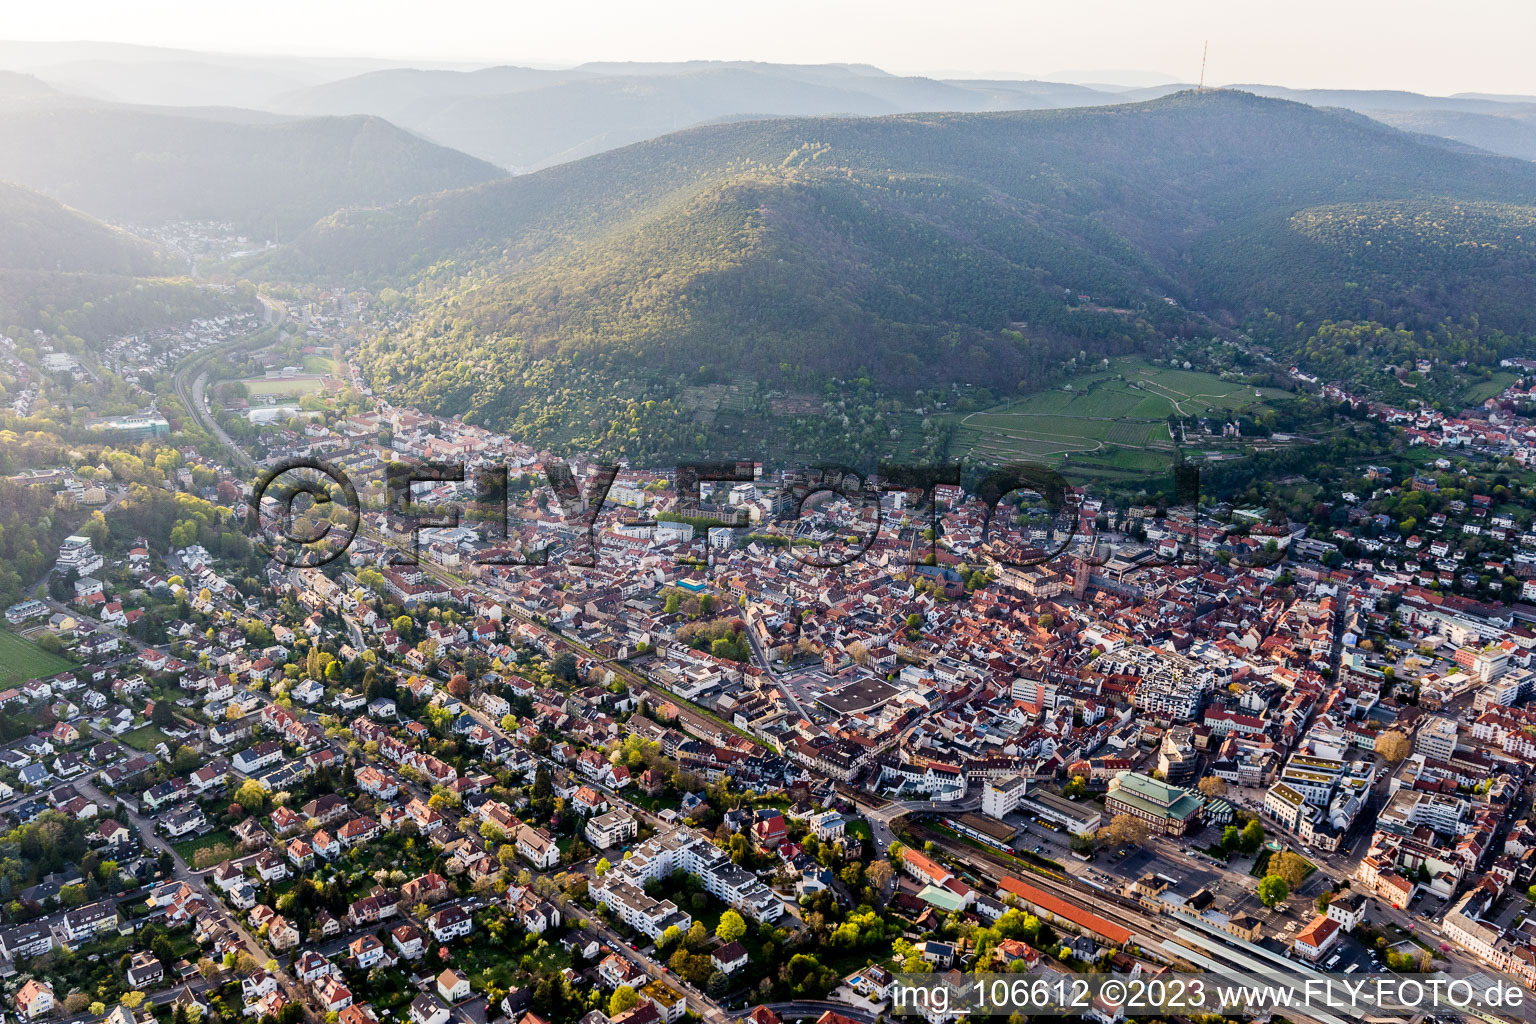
{"x": 143, "y": 165}
{"x": 918, "y": 249}
{"x": 37, "y": 233}
{"x": 15, "y": 85}
{"x": 1158, "y": 172}
{"x": 71, "y": 275}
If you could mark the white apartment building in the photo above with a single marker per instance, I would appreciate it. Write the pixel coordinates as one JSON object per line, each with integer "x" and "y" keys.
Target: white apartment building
{"x": 1436, "y": 738}
{"x": 686, "y": 849}
{"x": 77, "y": 553}
{"x": 1001, "y": 797}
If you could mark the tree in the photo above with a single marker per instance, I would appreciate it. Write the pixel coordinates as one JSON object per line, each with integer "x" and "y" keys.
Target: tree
{"x": 76, "y": 1002}
{"x": 1213, "y": 787}
{"x": 186, "y": 761}
{"x": 1292, "y": 867}
{"x": 624, "y": 998}
{"x": 1323, "y": 899}
{"x": 251, "y": 796}
{"x": 1251, "y": 838}
{"x": 731, "y": 927}
{"x": 564, "y": 667}
{"x": 1272, "y": 889}
{"x": 603, "y": 867}
{"x": 1127, "y": 829}
{"x": 1231, "y": 837}
{"x": 1393, "y": 745}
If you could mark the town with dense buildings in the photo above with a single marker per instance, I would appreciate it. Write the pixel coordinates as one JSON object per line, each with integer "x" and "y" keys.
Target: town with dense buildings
{"x": 607, "y": 753}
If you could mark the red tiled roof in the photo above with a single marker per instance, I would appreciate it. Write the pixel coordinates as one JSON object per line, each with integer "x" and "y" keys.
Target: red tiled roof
{"x": 1066, "y": 911}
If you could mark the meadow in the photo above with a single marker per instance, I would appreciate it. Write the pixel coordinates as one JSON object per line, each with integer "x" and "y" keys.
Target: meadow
{"x": 1111, "y": 422}
{"x": 21, "y": 660}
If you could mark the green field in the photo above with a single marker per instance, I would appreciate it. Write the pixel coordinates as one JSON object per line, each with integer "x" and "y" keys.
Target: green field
{"x": 320, "y": 364}
{"x": 1483, "y": 390}
{"x": 188, "y": 848}
{"x": 145, "y": 737}
{"x": 1110, "y": 423}
{"x": 259, "y": 387}
{"x": 21, "y": 660}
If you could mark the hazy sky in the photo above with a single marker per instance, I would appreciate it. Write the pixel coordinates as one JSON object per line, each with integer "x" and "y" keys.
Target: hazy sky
{"x": 1433, "y": 46}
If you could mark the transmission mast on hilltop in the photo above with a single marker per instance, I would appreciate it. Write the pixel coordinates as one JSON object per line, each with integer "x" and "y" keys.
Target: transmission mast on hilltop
{"x": 1204, "y": 50}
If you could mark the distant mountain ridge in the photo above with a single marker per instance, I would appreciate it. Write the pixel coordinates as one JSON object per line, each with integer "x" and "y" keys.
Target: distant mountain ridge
{"x": 271, "y": 176}
{"x": 1503, "y": 125}
{"x": 15, "y": 85}
{"x": 525, "y": 119}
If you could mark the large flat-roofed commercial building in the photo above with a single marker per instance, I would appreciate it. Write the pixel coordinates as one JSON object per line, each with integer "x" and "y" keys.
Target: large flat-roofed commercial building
{"x": 861, "y": 695}
{"x": 134, "y": 428}
{"x": 1074, "y": 817}
{"x": 1018, "y": 793}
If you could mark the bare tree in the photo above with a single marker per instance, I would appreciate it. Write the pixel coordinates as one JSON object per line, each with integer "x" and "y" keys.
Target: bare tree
{"x": 1213, "y": 787}
{"x": 1128, "y": 829}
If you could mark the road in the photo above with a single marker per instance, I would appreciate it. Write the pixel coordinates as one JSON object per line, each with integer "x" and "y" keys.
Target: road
{"x": 815, "y": 1008}
{"x": 713, "y": 1010}
{"x": 882, "y": 816}
{"x": 766, "y": 663}
{"x": 191, "y": 394}
{"x": 145, "y": 830}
